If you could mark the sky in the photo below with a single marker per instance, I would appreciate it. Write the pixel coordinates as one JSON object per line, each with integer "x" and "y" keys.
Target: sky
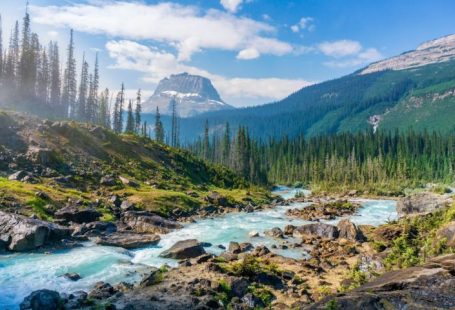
{"x": 254, "y": 51}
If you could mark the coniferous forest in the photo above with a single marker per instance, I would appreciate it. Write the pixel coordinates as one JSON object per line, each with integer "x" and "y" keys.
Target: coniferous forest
{"x": 364, "y": 160}
{"x": 33, "y": 78}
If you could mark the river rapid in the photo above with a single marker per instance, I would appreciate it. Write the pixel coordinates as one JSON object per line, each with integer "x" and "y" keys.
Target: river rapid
{"x": 20, "y": 274}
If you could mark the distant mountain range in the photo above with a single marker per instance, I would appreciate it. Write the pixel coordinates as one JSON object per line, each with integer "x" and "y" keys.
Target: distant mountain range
{"x": 413, "y": 90}
{"x": 194, "y": 95}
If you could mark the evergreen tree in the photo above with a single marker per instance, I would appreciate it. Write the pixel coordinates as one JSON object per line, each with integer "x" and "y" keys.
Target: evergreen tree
{"x": 104, "y": 114}
{"x": 174, "y": 124}
{"x": 159, "y": 129}
{"x": 43, "y": 79}
{"x": 130, "y": 122}
{"x": 69, "y": 82}
{"x": 138, "y": 111}
{"x": 83, "y": 90}
{"x": 55, "y": 78}
{"x": 92, "y": 100}
{"x": 206, "y": 145}
{"x": 1, "y": 51}
{"x": 118, "y": 111}
{"x": 226, "y": 145}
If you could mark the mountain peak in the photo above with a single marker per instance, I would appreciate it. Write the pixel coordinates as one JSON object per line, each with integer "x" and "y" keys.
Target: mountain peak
{"x": 194, "y": 94}
{"x": 433, "y": 51}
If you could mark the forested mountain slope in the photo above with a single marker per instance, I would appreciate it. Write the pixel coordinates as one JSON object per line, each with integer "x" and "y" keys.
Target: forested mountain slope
{"x": 421, "y": 97}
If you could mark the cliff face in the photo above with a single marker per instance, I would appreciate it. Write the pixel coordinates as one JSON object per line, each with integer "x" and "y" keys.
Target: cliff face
{"x": 194, "y": 94}
{"x": 434, "y": 51}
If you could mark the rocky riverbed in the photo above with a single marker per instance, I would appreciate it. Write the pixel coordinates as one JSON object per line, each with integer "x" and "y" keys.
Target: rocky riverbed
{"x": 94, "y": 262}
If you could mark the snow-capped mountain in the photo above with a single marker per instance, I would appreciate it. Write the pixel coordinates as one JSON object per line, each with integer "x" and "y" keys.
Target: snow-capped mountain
{"x": 434, "y": 51}
{"x": 194, "y": 94}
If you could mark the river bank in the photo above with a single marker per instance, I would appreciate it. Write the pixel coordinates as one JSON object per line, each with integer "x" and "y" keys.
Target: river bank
{"x": 114, "y": 265}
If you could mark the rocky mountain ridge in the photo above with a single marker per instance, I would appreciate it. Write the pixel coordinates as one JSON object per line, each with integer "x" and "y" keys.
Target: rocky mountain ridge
{"x": 194, "y": 95}
{"x": 433, "y": 51}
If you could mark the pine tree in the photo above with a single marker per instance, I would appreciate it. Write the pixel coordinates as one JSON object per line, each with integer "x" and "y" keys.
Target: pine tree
{"x": 205, "y": 143}
{"x": 103, "y": 113}
{"x": 130, "y": 122}
{"x": 159, "y": 129}
{"x": 69, "y": 82}
{"x": 83, "y": 90}
{"x": 138, "y": 111}
{"x": 43, "y": 82}
{"x": 92, "y": 100}
{"x": 55, "y": 78}
{"x": 226, "y": 145}
{"x": 27, "y": 76}
{"x": 175, "y": 124}
{"x": 118, "y": 111}
{"x": 1, "y": 52}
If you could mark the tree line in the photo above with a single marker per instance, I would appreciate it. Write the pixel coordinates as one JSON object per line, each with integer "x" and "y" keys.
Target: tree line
{"x": 363, "y": 159}
{"x": 34, "y": 78}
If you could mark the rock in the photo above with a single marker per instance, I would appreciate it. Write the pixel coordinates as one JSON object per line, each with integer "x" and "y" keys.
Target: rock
{"x": 289, "y": 230}
{"x": 78, "y": 215}
{"x": 245, "y": 247}
{"x": 184, "y": 249}
{"x": 269, "y": 279}
{"x": 203, "y": 258}
{"x": 115, "y": 200}
{"x": 275, "y": 232}
{"x": 73, "y": 276}
{"x": 429, "y": 286}
{"x": 349, "y": 231}
{"x": 128, "y": 240}
{"x": 422, "y": 203}
{"x": 229, "y": 257}
{"x": 234, "y": 247}
{"x": 76, "y": 300}
{"x": 192, "y": 194}
{"x": 40, "y": 156}
{"x": 217, "y": 199}
{"x": 95, "y": 229}
{"x": 253, "y": 302}
{"x": 327, "y": 210}
{"x": 260, "y": 250}
{"x": 447, "y": 232}
{"x": 21, "y": 233}
{"x": 152, "y": 278}
{"x": 128, "y": 182}
{"x": 107, "y": 181}
{"x": 42, "y": 299}
{"x": 127, "y": 205}
{"x": 146, "y": 222}
{"x": 239, "y": 286}
{"x": 253, "y": 234}
{"x": 18, "y": 175}
{"x": 101, "y": 290}
{"x": 316, "y": 230}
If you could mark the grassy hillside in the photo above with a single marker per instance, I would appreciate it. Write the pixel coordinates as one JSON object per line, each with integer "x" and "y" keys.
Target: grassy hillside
{"x": 422, "y": 98}
{"x": 69, "y": 160}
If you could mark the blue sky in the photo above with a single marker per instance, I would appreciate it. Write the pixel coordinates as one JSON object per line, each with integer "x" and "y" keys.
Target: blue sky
{"x": 254, "y": 51}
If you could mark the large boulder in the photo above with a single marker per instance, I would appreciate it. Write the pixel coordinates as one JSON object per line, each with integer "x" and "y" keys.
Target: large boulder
{"x": 447, "y": 232}
{"x": 429, "y": 286}
{"x": 275, "y": 232}
{"x": 422, "y": 203}
{"x": 42, "y": 299}
{"x": 184, "y": 249}
{"x": 41, "y": 156}
{"x": 146, "y": 222}
{"x": 217, "y": 199}
{"x": 78, "y": 215}
{"x": 18, "y": 175}
{"x": 20, "y": 233}
{"x": 321, "y": 230}
{"x": 349, "y": 230}
{"x": 94, "y": 229}
{"x": 128, "y": 240}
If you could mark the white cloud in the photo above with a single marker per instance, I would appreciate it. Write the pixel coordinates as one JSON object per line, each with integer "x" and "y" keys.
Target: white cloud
{"x": 305, "y": 23}
{"x": 52, "y": 34}
{"x": 157, "y": 64}
{"x": 186, "y": 28}
{"x": 248, "y": 53}
{"x": 365, "y": 57}
{"x": 340, "y": 48}
{"x": 231, "y": 5}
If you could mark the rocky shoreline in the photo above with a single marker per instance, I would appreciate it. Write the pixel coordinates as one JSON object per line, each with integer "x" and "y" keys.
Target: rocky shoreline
{"x": 243, "y": 276}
